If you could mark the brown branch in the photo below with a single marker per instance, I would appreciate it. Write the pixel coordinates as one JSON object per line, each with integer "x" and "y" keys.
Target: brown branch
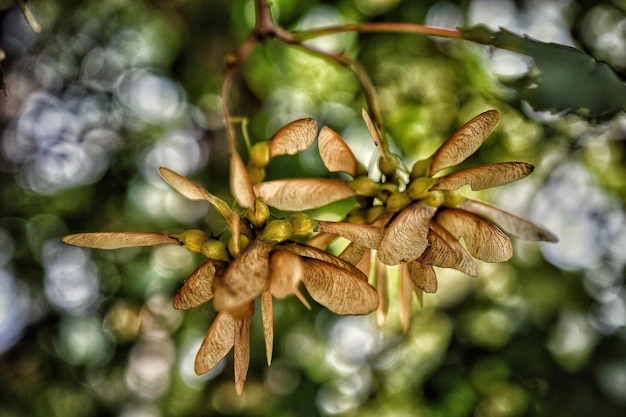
{"x": 377, "y": 27}
{"x": 232, "y": 61}
{"x": 265, "y": 27}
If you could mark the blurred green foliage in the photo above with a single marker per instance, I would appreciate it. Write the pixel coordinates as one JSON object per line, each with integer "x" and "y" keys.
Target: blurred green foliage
{"x": 110, "y": 90}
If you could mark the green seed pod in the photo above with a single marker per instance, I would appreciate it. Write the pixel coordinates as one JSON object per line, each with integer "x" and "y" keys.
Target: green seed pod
{"x": 421, "y": 168}
{"x": 389, "y": 165}
{"x": 192, "y": 239}
{"x": 385, "y": 191}
{"x": 356, "y": 216}
{"x": 244, "y": 241}
{"x": 260, "y": 215}
{"x": 373, "y": 213}
{"x": 452, "y": 198}
{"x": 418, "y": 188}
{"x": 256, "y": 174}
{"x": 302, "y": 224}
{"x": 397, "y": 201}
{"x": 215, "y": 249}
{"x": 276, "y": 231}
{"x": 364, "y": 186}
{"x": 260, "y": 154}
{"x": 434, "y": 199}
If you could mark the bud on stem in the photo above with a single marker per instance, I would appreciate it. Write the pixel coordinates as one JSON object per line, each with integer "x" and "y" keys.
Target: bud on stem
{"x": 276, "y": 231}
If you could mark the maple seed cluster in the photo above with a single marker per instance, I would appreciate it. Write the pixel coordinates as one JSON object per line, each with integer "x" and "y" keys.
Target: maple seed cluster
{"x": 416, "y": 224}
{"x": 422, "y": 219}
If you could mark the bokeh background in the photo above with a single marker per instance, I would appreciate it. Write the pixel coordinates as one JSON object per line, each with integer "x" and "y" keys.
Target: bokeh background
{"x": 110, "y": 90}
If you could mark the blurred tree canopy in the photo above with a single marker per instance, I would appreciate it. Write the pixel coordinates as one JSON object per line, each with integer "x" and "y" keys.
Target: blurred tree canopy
{"x": 108, "y": 91}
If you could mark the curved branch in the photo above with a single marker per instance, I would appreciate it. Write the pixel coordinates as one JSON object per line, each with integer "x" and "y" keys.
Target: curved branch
{"x": 266, "y": 28}
{"x": 377, "y": 27}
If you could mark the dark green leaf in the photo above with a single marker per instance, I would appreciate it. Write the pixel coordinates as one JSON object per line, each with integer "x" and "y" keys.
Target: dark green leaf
{"x": 567, "y": 79}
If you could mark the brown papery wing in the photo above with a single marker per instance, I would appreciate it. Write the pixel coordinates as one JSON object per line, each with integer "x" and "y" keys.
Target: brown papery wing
{"x": 423, "y": 276}
{"x": 510, "y": 223}
{"x": 464, "y": 263}
{"x": 244, "y": 279}
{"x": 405, "y": 238}
{"x": 302, "y": 193}
{"x": 338, "y": 289}
{"x": 484, "y": 176}
{"x": 293, "y": 137}
{"x": 335, "y": 152}
{"x": 217, "y": 343}
{"x": 312, "y": 252}
{"x": 242, "y": 352}
{"x": 193, "y": 191}
{"x": 464, "y": 142}
{"x": 240, "y": 184}
{"x": 117, "y": 240}
{"x": 267, "y": 313}
{"x": 286, "y": 271}
{"x": 198, "y": 287}
{"x": 482, "y": 239}
{"x": 362, "y": 234}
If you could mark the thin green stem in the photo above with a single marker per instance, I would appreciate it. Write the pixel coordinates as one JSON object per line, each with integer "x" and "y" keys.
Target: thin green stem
{"x": 243, "y": 121}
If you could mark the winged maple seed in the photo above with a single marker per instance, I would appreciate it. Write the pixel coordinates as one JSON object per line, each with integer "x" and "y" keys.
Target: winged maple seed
{"x": 261, "y": 259}
{"x": 423, "y": 218}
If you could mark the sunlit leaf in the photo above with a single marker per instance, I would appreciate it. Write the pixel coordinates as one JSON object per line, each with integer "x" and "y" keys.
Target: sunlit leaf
{"x": 242, "y": 352}
{"x": 293, "y": 137}
{"x": 193, "y": 191}
{"x": 198, "y": 287}
{"x": 267, "y": 313}
{"x": 335, "y": 152}
{"x": 482, "y": 239}
{"x": 302, "y": 193}
{"x": 216, "y": 344}
{"x": 337, "y": 289}
{"x": 511, "y": 224}
{"x": 484, "y": 176}
{"x": 117, "y": 240}
{"x": 240, "y": 184}
{"x": 423, "y": 276}
{"x": 364, "y": 235}
{"x": 244, "y": 279}
{"x": 406, "y": 237}
{"x": 286, "y": 271}
{"x": 464, "y": 261}
{"x": 464, "y": 142}
{"x": 563, "y": 78}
